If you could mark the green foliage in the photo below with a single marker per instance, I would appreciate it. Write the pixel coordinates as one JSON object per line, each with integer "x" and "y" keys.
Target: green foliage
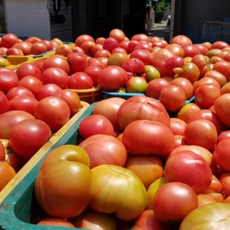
{"x": 161, "y": 8}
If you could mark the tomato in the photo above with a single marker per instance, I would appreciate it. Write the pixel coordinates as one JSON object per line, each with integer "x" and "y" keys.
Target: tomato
{"x": 181, "y": 40}
{"x": 18, "y": 91}
{"x": 161, "y": 44}
{"x": 14, "y": 51}
{"x": 95, "y": 48}
{"x": 142, "y": 54}
{"x": 5, "y": 106}
{"x": 148, "y": 168}
{"x": 117, "y": 58}
{"x": 112, "y": 78}
{"x": 6, "y": 174}
{"x": 23, "y": 103}
{"x": 92, "y": 71}
{"x": 218, "y": 218}
{"x": 110, "y": 43}
{"x": 77, "y": 61}
{"x": 148, "y": 221}
{"x": 205, "y": 80}
{"x": 104, "y": 149}
{"x": 9, "y": 119}
{"x": 31, "y": 83}
{"x": 201, "y": 132}
{"x": 118, "y": 34}
{"x": 63, "y": 49}
{"x": 55, "y": 75}
{"x": 48, "y": 44}
{"x": 56, "y": 61}
{"x": 204, "y": 199}
{"x": 202, "y": 62}
{"x": 38, "y": 48}
{"x": 190, "y": 50}
{"x": 203, "y": 48}
{"x": 95, "y": 220}
{"x": 144, "y": 45}
{"x": 56, "y": 222}
{"x": 224, "y": 180}
{"x": 102, "y": 53}
{"x": 169, "y": 198}
{"x": 134, "y": 65}
{"x": 183, "y": 163}
{"x": 8, "y": 79}
{"x": 87, "y": 47}
{"x": 71, "y": 98}
{"x": 142, "y": 107}
{"x": 81, "y": 38}
{"x": 223, "y": 135}
{"x": 136, "y": 85}
{"x": 109, "y": 108}
{"x": 151, "y": 73}
{"x": 217, "y": 76}
{"x": 221, "y": 106}
{"x": 36, "y": 130}
{"x": 47, "y": 90}
{"x": 142, "y": 132}
{"x": 33, "y": 39}
{"x": 222, "y": 67}
{"x": 24, "y": 46}
{"x": 54, "y": 111}
{"x": 205, "y": 95}
{"x": 116, "y": 185}
{"x": 95, "y": 124}
{"x": 2, "y": 151}
{"x": 80, "y": 80}
{"x": 140, "y": 37}
{"x": 62, "y": 166}
{"x": 9, "y": 39}
{"x": 177, "y": 126}
{"x": 173, "y": 97}
{"x": 219, "y": 45}
{"x": 26, "y": 69}
{"x": 173, "y": 62}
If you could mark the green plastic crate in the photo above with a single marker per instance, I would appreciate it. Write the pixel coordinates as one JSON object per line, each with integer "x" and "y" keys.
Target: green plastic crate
{"x": 17, "y": 198}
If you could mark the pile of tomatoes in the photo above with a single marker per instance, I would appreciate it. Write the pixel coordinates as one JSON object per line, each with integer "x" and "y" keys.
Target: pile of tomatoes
{"x": 158, "y": 161}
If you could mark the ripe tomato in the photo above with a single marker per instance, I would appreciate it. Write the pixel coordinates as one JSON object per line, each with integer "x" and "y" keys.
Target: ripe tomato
{"x": 5, "y": 106}
{"x": 82, "y": 38}
{"x": 55, "y": 75}
{"x": 24, "y": 46}
{"x": 36, "y": 130}
{"x": 95, "y": 124}
{"x": 134, "y": 65}
{"x": 2, "y": 151}
{"x": 110, "y": 43}
{"x": 18, "y": 91}
{"x": 48, "y": 90}
{"x": 53, "y": 111}
{"x": 136, "y": 85}
{"x": 217, "y": 76}
{"x": 80, "y": 80}
{"x": 77, "y": 62}
{"x": 63, "y": 49}
{"x": 181, "y": 164}
{"x": 177, "y": 126}
{"x": 6, "y": 174}
{"x": 23, "y": 103}
{"x": 56, "y": 222}
{"x": 92, "y": 71}
{"x": 118, "y": 34}
{"x": 62, "y": 166}
{"x": 190, "y": 50}
{"x": 9, "y": 119}
{"x": 116, "y": 185}
{"x": 111, "y": 78}
{"x": 142, "y": 54}
{"x": 169, "y": 198}
{"x": 118, "y": 58}
{"x": 198, "y": 218}
{"x": 56, "y": 61}
{"x": 205, "y": 199}
{"x": 8, "y": 79}
{"x": 38, "y": 48}
{"x": 202, "y": 62}
{"x": 142, "y": 132}
{"x": 201, "y": 132}
{"x": 181, "y": 40}
{"x": 9, "y": 39}
{"x": 223, "y": 68}
{"x": 205, "y": 80}
{"x": 104, "y": 149}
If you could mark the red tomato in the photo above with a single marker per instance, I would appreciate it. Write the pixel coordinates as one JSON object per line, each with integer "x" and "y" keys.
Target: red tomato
{"x": 177, "y": 50}
{"x": 224, "y": 180}
{"x": 48, "y": 90}
{"x": 190, "y": 50}
{"x": 6, "y": 174}
{"x": 202, "y": 62}
{"x": 173, "y": 97}
{"x": 140, "y": 37}
{"x": 173, "y": 62}
{"x": 115, "y": 181}
{"x": 95, "y": 48}
{"x": 8, "y": 79}
{"x": 26, "y": 69}
{"x": 92, "y": 71}
{"x": 179, "y": 140}
{"x": 2, "y": 151}
{"x": 177, "y": 126}
{"x": 9, "y": 39}
{"x": 9, "y": 119}
{"x": 181, "y": 40}
{"x": 198, "y": 218}
{"x": 56, "y": 222}
{"x": 95, "y": 124}
{"x": 169, "y": 198}
{"x": 188, "y": 167}
{"x": 219, "y": 45}
{"x": 36, "y": 130}
{"x": 38, "y": 48}
{"x": 118, "y": 34}
{"x": 48, "y": 44}
{"x": 104, "y": 149}
{"x": 112, "y": 78}
{"x": 19, "y": 91}
{"x": 87, "y": 47}
{"x": 134, "y": 65}
{"x": 4, "y": 101}
{"x": 63, "y": 49}
{"x": 33, "y": 39}
{"x": 201, "y": 132}
{"x": 56, "y": 61}
{"x": 145, "y": 165}
{"x": 71, "y": 98}
{"x": 217, "y": 76}
{"x": 31, "y": 83}
{"x": 82, "y": 38}
{"x": 55, "y": 75}
{"x": 144, "y": 45}
{"x": 203, "y": 49}
{"x": 24, "y": 46}
{"x": 205, "y": 80}
{"x": 142, "y": 54}
{"x": 109, "y": 108}
{"x": 14, "y": 51}
{"x": 102, "y": 53}
{"x": 80, "y": 80}
{"x": 77, "y": 61}
{"x": 142, "y": 132}
{"x": 223, "y": 135}
{"x": 110, "y": 43}
{"x": 23, "y": 103}
{"x": 222, "y": 67}
{"x": 70, "y": 199}
{"x": 221, "y": 106}
{"x": 205, "y": 95}
{"x": 53, "y": 111}
{"x": 142, "y": 107}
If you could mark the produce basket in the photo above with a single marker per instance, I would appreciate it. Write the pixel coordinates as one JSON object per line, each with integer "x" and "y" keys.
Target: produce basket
{"x": 90, "y": 95}
{"x": 17, "y": 198}
{"x": 16, "y": 60}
